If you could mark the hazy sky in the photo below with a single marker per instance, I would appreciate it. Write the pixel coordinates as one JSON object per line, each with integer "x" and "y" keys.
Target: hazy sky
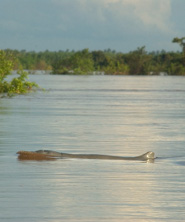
{"x": 121, "y": 25}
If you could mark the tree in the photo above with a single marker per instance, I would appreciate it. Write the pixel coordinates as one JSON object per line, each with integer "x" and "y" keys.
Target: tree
{"x": 82, "y": 62}
{"x": 18, "y": 85}
{"x": 181, "y": 42}
{"x": 100, "y": 59}
{"x": 138, "y": 61}
{"x": 6, "y": 65}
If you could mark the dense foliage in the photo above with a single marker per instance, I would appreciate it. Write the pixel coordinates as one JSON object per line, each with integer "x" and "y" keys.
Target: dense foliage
{"x": 18, "y": 84}
{"x": 137, "y": 62}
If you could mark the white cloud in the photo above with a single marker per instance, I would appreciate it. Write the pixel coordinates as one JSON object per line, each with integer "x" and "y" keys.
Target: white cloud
{"x": 155, "y": 13}
{"x": 150, "y": 13}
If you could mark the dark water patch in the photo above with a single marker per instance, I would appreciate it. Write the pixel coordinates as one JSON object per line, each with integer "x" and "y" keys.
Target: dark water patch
{"x": 181, "y": 163}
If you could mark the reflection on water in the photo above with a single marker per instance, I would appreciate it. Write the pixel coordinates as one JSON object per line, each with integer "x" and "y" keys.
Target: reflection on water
{"x": 120, "y": 115}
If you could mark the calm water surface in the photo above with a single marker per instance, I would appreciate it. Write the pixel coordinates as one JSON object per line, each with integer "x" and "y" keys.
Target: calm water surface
{"x": 118, "y": 115}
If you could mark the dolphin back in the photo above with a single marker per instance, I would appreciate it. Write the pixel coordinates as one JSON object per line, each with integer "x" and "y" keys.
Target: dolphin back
{"x": 48, "y": 154}
{"x": 146, "y": 156}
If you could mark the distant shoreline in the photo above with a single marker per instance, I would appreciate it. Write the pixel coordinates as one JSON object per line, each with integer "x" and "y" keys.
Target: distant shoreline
{"x": 107, "y": 62}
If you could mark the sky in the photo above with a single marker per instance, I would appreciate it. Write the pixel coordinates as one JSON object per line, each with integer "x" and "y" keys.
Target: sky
{"x": 121, "y": 25}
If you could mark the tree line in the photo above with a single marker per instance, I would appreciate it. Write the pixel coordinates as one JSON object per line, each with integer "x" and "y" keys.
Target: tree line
{"x": 137, "y": 62}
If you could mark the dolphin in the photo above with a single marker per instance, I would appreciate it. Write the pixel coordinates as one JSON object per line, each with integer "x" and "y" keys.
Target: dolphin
{"x": 144, "y": 157}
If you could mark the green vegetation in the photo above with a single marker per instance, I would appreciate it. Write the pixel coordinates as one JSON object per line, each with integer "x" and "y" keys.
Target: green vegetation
{"x": 181, "y": 42}
{"x": 137, "y": 62}
{"x": 17, "y": 85}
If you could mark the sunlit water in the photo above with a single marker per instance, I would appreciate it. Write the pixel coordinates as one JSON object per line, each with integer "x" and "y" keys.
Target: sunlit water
{"x": 115, "y": 115}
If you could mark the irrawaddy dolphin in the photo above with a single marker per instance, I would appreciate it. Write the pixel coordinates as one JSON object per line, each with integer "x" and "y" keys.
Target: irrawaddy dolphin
{"x": 49, "y": 153}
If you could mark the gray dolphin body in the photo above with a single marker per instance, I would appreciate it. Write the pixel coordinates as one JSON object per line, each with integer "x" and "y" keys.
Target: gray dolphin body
{"x": 146, "y": 156}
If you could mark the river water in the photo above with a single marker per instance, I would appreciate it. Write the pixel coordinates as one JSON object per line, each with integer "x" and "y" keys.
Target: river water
{"x": 115, "y": 115}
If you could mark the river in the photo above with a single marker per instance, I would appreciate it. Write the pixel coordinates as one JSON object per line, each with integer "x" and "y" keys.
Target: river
{"x": 114, "y": 115}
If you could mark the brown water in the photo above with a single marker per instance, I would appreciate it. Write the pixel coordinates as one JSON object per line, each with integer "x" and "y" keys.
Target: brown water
{"x": 118, "y": 115}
